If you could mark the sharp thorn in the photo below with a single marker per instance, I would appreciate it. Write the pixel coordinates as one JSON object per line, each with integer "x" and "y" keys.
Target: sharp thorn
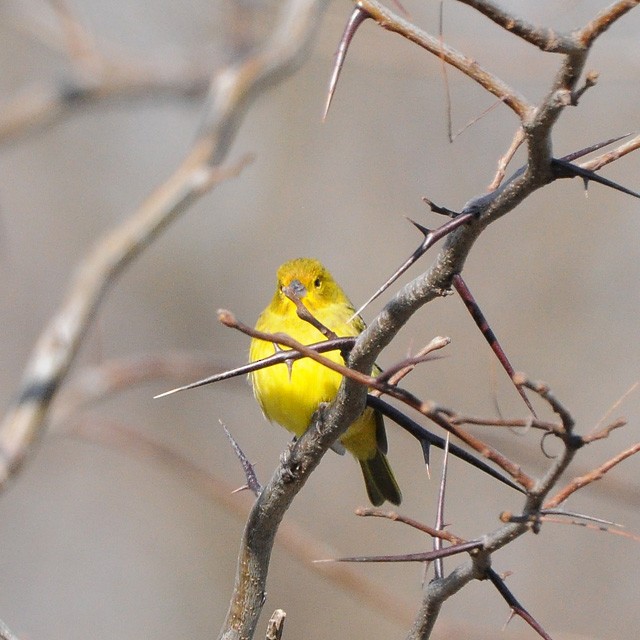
{"x": 424, "y": 230}
{"x": 594, "y": 147}
{"x": 564, "y": 169}
{"x": 358, "y": 16}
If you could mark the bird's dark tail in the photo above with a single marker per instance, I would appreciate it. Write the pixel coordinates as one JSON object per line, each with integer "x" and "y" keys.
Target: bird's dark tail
{"x": 380, "y": 481}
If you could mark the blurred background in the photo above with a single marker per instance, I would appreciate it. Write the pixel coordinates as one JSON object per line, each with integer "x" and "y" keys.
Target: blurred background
{"x": 103, "y": 541}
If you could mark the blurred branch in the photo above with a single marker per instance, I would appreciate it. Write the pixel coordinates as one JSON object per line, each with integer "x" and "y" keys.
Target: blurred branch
{"x": 44, "y": 104}
{"x": 58, "y": 344}
{"x": 232, "y": 90}
{"x": 440, "y": 534}
{"x": 292, "y": 538}
{"x": 6, "y": 633}
{"x": 98, "y": 382}
{"x": 93, "y": 78}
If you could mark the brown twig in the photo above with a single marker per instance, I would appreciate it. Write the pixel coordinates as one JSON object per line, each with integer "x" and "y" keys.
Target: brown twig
{"x": 600, "y": 23}
{"x": 392, "y": 22}
{"x": 305, "y": 315}
{"x": 434, "y": 413}
{"x": 605, "y": 431}
{"x": 394, "y": 374}
{"x": 632, "y": 389}
{"x": 613, "y": 155}
{"x": 504, "y": 161}
{"x": 593, "y": 527}
{"x": 441, "y": 534}
{"x": 591, "y": 476}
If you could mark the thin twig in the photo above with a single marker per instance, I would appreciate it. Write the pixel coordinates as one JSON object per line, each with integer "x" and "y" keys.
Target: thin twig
{"x": 392, "y": 22}
{"x": 436, "y": 414}
{"x": 504, "y": 161}
{"x": 253, "y": 484}
{"x": 441, "y": 534}
{"x": 437, "y": 542}
{"x": 592, "y": 476}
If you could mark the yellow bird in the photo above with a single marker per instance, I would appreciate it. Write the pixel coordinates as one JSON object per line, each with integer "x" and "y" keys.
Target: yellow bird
{"x": 289, "y": 394}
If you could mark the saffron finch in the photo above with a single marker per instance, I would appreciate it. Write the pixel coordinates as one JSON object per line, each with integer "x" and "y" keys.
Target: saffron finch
{"x": 290, "y": 393}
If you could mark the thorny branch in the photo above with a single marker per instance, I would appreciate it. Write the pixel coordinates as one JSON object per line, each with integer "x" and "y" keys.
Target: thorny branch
{"x": 231, "y": 92}
{"x": 437, "y": 414}
{"x": 537, "y": 123}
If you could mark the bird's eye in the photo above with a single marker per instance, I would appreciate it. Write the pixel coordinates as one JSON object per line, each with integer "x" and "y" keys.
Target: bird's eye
{"x": 317, "y": 283}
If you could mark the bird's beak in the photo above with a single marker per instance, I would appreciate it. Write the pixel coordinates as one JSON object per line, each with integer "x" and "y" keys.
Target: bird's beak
{"x": 296, "y": 288}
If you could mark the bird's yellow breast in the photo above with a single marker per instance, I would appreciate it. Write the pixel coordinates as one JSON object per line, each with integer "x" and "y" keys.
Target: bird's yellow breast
{"x": 290, "y": 393}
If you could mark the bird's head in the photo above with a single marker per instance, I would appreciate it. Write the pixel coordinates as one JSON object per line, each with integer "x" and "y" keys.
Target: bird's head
{"x": 308, "y": 280}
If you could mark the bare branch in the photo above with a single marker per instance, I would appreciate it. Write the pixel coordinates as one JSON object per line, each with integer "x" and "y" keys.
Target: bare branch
{"x": 545, "y": 39}
{"x": 59, "y": 343}
{"x": 436, "y": 414}
{"x": 613, "y": 155}
{"x": 592, "y": 476}
{"x": 304, "y": 314}
{"x": 392, "y": 22}
{"x": 504, "y": 161}
{"x": 604, "y": 20}
{"x": 441, "y": 534}
{"x": 593, "y": 527}
{"x": 394, "y": 374}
